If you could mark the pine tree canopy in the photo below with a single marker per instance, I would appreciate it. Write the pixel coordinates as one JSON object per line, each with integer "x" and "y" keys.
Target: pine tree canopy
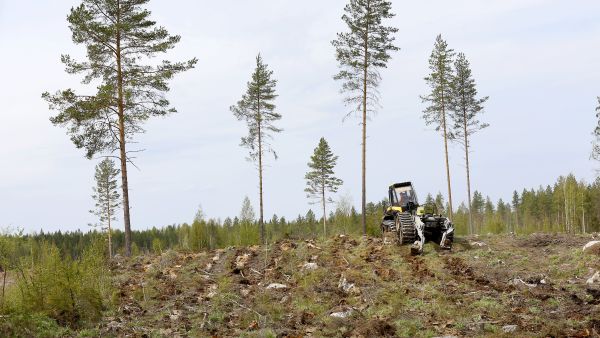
{"x": 310, "y": 217}
{"x": 120, "y": 39}
{"x": 515, "y": 200}
{"x": 106, "y": 194}
{"x": 489, "y": 205}
{"x": 501, "y": 206}
{"x": 320, "y": 178}
{"x": 367, "y": 45}
{"x": 478, "y": 202}
{"x": 440, "y": 81}
{"x": 257, "y": 109}
{"x": 429, "y": 199}
{"x": 596, "y": 143}
{"x": 440, "y": 202}
{"x": 598, "y": 116}
{"x": 464, "y": 104}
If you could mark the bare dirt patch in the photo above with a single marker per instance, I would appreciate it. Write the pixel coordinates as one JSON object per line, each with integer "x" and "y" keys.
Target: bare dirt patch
{"x": 375, "y": 328}
{"x": 538, "y": 240}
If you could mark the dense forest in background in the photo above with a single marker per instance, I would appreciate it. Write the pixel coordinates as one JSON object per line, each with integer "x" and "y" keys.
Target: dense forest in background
{"x": 569, "y": 205}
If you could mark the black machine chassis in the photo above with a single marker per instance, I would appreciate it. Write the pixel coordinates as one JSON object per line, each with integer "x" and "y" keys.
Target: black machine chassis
{"x": 404, "y": 225}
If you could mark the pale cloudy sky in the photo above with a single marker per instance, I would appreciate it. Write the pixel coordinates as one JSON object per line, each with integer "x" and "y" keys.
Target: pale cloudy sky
{"x": 538, "y": 60}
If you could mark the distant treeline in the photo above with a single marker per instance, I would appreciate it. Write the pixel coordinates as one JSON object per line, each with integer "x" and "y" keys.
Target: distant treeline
{"x": 568, "y": 205}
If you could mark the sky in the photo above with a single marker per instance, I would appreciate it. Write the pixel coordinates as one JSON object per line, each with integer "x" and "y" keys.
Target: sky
{"x": 537, "y": 60}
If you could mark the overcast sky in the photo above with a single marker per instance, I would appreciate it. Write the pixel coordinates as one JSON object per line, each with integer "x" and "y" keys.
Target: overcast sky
{"x": 538, "y": 60}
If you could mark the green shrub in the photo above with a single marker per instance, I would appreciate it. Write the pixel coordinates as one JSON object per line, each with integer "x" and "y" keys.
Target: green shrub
{"x": 31, "y": 325}
{"x": 69, "y": 291}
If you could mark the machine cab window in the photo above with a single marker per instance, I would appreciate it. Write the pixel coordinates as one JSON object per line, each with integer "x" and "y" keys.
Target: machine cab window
{"x": 402, "y": 194}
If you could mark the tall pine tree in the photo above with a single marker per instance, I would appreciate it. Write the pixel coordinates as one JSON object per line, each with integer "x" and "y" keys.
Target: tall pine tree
{"x": 257, "y": 109}
{"x": 121, "y": 41}
{"x": 106, "y": 196}
{"x": 516, "y": 203}
{"x": 429, "y": 199}
{"x": 465, "y": 107}
{"x": 361, "y": 52}
{"x": 320, "y": 178}
{"x": 440, "y": 82}
{"x": 478, "y": 204}
{"x": 440, "y": 203}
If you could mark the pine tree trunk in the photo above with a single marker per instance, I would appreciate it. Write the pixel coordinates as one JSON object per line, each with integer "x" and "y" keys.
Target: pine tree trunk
{"x": 446, "y": 152}
{"x": 261, "y": 223}
{"x": 364, "y": 170}
{"x": 468, "y": 170}
{"x": 583, "y": 220}
{"x": 566, "y": 207}
{"x": 4, "y": 272}
{"x": 324, "y": 212}
{"x": 364, "y": 123}
{"x": 123, "y": 152}
{"x": 573, "y": 214}
{"x": 109, "y": 216}
{"x": 583, "y": 212}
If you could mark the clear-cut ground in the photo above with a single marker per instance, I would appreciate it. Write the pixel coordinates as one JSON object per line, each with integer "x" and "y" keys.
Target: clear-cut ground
{"x": 496, "y": 285}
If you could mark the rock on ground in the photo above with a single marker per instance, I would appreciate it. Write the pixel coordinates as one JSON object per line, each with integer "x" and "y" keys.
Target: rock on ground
{"x": 590, "y": 245}
{"x": 342, "y": 314}
{"x": 594, "y": 279}
{"x": 310, "y": 266}
{"x": 276, "y": 286}
{"x": 347, "y": 286}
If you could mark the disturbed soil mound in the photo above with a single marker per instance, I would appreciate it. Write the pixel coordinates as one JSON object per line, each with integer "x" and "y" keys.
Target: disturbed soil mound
{"x": 376, "y": 328}
{"x": 594, "y": 250}
{"x": 538, "y": 240}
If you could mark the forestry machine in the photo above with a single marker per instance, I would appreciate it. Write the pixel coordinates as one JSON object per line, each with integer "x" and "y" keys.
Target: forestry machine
{"x": 414, "y": 223}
